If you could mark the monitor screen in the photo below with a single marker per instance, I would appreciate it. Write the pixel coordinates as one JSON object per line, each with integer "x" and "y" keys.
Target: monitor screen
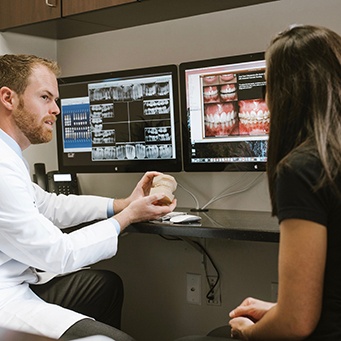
{"x": 122, "y": 121}
{"x": 225, "y": 120}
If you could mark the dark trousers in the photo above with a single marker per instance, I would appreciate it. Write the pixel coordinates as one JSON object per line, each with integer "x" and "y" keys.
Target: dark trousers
{"x": 95, "y": 293}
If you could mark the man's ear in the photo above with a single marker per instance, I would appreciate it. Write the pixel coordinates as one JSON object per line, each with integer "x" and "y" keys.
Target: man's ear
{"x": 7, "y": 98}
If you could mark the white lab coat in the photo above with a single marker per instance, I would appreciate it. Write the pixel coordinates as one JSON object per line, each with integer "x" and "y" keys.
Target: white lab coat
{"x": 30, "y": 237}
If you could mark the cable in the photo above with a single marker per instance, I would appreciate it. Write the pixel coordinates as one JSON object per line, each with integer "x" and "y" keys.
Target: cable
{"x": 170, "y": 239}
{"x": 221, "y": 196}
{"x": 224, "y": 190}
{"x": 205, "y": 253}
{"x": 191, "y": 194}
{"x": 197, "y": 207}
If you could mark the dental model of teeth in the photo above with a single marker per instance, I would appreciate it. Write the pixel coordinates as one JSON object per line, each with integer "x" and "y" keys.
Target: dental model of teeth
{"x": 165, "y": 184}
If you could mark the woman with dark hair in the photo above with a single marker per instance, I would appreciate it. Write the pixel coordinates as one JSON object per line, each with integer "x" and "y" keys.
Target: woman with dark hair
{"x": 304, "y": 174}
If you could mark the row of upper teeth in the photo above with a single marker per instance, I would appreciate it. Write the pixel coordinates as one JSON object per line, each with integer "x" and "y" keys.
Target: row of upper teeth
{"x": 221, "y": 124}
{"x": 220, "y": 117}
{"x": 254, "y": 115}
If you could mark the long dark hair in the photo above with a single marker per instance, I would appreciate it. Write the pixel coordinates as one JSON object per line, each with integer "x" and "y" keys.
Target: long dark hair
{"x": 304, "y": 99}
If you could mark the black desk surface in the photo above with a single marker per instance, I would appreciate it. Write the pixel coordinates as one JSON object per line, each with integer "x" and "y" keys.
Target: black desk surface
{"x": 228, "y": 224}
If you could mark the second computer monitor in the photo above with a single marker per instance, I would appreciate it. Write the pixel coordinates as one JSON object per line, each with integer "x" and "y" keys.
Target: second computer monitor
{"x": 225, "y": 119}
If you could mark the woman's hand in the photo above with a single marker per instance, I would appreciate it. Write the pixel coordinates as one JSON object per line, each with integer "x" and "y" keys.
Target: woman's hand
{"x": 246, "y": 314}
{"x": 238, "y": 327}
{"x": 252, "y": 308}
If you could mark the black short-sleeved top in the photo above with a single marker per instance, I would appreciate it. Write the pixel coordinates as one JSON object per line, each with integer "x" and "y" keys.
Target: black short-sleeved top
{"x": 298, "y": 198}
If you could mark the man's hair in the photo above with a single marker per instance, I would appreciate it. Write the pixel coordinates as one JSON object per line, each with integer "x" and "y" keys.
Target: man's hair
{"x": 304, "y": 98}
{"x": 16, "y": 69}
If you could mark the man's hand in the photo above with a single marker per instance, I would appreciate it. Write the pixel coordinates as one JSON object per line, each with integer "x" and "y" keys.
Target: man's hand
{"x": 143, "y": 209}
{"x": 143, "y": 187}
{"x": 141, "y": 190}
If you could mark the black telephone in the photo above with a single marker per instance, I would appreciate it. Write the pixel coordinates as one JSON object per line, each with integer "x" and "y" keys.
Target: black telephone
{"x": 54, "y": 181}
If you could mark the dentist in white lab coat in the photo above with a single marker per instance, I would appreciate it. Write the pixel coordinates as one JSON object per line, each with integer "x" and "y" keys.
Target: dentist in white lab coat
{"x": 31, "y": 219}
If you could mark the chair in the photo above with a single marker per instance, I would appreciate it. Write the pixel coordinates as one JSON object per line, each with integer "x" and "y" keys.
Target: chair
{"x": 218, "y": 334}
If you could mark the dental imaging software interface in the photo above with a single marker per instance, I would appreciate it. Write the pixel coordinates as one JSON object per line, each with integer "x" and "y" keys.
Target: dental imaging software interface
{"x": 123, "y": 121}
{"x": 226, "y": 119}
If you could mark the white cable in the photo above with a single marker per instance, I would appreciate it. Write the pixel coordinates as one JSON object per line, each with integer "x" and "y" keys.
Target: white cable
{"x": 224, "y": 190}
{"x": 191, "y": 194}
{"x": 250, "y": 185}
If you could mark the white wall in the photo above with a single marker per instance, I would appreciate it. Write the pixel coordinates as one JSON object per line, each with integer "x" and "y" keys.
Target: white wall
{"x": 47, "y": 48}
{"x": 154, "y": 269}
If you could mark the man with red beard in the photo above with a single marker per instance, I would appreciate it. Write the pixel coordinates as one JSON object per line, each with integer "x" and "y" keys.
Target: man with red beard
{"x": 80, "y": 302}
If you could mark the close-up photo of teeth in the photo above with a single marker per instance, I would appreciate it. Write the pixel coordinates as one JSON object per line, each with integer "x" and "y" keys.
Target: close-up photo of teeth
{"x": 156, "y": 107}
{"x": 254, "y": 118}
{"x": 219, "y": 88}
{"x": 228, "y": 92}
{"x": 220, "y": 119}
{"x": 130, "y": 151}
{"x": 157, "y": 134}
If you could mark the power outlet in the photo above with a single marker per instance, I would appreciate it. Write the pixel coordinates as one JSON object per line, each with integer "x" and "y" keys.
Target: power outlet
{"x": 215, "y": 295}
{"x": 193, "y": 290}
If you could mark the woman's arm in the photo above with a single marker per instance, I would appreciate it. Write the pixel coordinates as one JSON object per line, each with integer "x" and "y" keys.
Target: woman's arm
{"x": 302, "y": 257}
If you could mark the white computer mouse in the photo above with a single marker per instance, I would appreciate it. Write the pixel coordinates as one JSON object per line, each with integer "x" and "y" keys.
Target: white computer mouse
{"x": 185, "y": 218}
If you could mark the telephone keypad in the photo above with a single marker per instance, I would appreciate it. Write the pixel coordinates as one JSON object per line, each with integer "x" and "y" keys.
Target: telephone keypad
{"x": 65, "y": 189}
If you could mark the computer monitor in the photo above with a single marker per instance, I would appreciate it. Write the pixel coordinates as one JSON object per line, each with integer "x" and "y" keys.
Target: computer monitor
{"x": 225, "y": 119}
{"x": 120, "y": 121}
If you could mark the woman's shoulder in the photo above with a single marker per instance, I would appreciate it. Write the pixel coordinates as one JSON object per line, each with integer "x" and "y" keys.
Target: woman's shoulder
{"x": 301, "y": 165}
{"x": 303, "y": 157}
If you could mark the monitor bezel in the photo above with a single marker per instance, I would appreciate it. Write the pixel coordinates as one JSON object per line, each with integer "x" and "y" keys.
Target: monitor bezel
{"x": 126, "y": 166}
{"x": 188, "y": 166}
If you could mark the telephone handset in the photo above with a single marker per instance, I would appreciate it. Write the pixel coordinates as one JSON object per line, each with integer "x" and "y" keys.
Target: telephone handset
{"x": 54, "y": 181}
